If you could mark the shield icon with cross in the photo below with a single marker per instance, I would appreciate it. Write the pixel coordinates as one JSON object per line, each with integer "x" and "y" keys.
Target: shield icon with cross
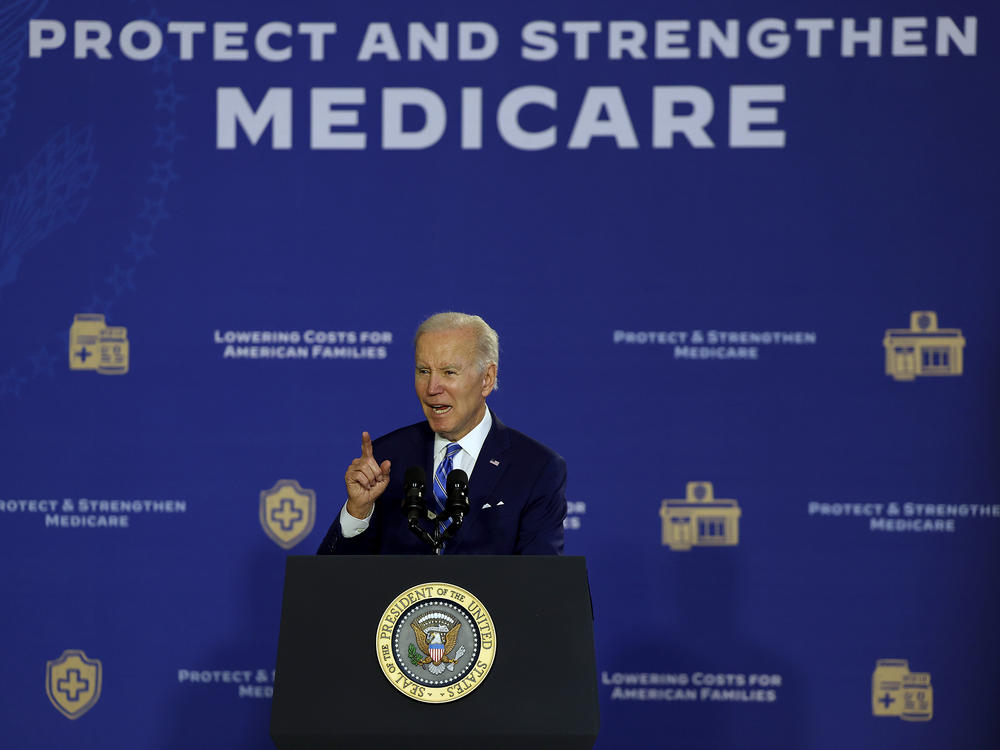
{"x": 287, "y": 512}
{"x": 73, "y": 683}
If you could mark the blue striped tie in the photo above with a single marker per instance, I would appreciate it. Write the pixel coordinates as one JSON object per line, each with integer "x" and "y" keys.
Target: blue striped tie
{"x": 441, "y": 479}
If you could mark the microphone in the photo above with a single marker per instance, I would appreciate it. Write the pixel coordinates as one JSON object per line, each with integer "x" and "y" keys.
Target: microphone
{"x": 413, "y": 494}
{"x": 414, "y": 506}
{"x": 457, "y": 504}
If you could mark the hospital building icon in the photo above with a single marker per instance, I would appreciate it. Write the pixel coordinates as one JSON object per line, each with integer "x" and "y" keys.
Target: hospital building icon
{"x": 923, "y": 348}
{"x": 700, "y": 519}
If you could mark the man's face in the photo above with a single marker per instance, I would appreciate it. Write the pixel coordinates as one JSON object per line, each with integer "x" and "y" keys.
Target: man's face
{"x": 451, "y": 388}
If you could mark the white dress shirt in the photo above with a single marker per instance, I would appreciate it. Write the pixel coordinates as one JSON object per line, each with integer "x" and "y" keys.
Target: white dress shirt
{"x": 465, "y": 460}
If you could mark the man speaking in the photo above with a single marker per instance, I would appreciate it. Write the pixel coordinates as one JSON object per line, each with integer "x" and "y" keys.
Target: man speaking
{"x": 516, "y": 486}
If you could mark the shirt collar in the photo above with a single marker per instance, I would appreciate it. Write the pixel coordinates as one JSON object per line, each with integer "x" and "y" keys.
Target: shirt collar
{"x": 472, "y": 443}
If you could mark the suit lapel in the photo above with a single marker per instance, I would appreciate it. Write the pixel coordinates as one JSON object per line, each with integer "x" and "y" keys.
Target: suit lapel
{"x": 490, "y": 464}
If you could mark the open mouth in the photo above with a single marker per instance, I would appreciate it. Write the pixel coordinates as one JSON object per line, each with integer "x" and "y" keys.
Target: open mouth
{"x": 439, "y": 409}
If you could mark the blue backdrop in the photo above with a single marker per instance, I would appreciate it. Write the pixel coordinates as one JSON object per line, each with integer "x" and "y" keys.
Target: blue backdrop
{"x": 742, "y": 260}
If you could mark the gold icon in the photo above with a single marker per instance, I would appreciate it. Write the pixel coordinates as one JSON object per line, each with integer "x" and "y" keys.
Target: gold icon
{"x": 436, "y": 642}
{"x": 923, "y": 349}
{"x": 94, "y": 345}
{"x": 896, "y": 691}
{"x": 287, "y": 512}
{"x": 700, "y": 520}
{"x": 73, "y": 683}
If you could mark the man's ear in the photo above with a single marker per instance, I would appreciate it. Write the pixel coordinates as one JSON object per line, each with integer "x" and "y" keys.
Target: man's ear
{"x": 489, "y": 378}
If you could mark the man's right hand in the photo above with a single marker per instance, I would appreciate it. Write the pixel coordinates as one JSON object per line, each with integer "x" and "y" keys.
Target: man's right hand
{"x": 366, "y": 480}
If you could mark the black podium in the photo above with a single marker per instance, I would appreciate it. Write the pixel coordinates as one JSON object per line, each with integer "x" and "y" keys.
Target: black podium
{"x": 330, "y": 690}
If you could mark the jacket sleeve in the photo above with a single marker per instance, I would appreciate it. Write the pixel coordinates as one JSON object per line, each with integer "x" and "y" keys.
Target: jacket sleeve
{"x": 540, "y": 531}
{"x": 365, "y": 543}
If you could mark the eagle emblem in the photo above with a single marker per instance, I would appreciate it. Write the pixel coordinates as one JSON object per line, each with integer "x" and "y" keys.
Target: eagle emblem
{"x": 436, "y": 642}
{"x": 436, "y": 635}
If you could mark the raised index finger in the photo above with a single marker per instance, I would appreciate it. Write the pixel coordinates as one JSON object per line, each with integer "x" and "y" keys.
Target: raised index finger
{"x": 366, "y": 445}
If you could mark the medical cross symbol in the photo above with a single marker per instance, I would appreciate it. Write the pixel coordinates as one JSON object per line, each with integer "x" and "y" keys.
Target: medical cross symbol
{"x": 287, "y": 515}
{"x": 886, "y": 700}
{"x": 83, "y": 354}
{"x": 72, "y": 685}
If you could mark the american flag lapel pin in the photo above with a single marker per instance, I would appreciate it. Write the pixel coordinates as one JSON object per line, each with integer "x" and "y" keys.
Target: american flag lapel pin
{"x": 494, "y": 462}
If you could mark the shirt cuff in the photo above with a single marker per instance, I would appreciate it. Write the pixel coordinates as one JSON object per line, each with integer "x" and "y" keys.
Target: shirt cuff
{"x": 351, "y": 526}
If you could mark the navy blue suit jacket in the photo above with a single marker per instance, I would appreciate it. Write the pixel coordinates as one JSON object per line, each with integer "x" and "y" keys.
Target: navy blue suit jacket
{"x": 517, "y": 499}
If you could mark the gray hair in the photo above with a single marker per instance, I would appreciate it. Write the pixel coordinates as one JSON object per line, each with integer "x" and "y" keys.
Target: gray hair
{"x": 487, "y": 340}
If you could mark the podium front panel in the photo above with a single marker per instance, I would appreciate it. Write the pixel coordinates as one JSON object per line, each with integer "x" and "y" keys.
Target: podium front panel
{"x": 330, "y": 691}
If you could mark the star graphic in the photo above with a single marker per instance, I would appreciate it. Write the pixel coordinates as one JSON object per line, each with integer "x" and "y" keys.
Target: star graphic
{"x": 167, "y": 98}
{"x": 43, "y": 362}
{"x": 155, "y": 17}
{"x": 163, "y": 174}
{"x": 139, "y": 246}
{"x": 153, "y": 211}
{"x": 11, "y": 382}
{"x": 121, "y": 279}
{"x": 99, "y": 305}
{"x": 164, "y": 62}
{"x": 167, "y": 136}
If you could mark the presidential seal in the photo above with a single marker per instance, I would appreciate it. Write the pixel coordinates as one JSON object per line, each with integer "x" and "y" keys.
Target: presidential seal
{"x": 436, "y": 642}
